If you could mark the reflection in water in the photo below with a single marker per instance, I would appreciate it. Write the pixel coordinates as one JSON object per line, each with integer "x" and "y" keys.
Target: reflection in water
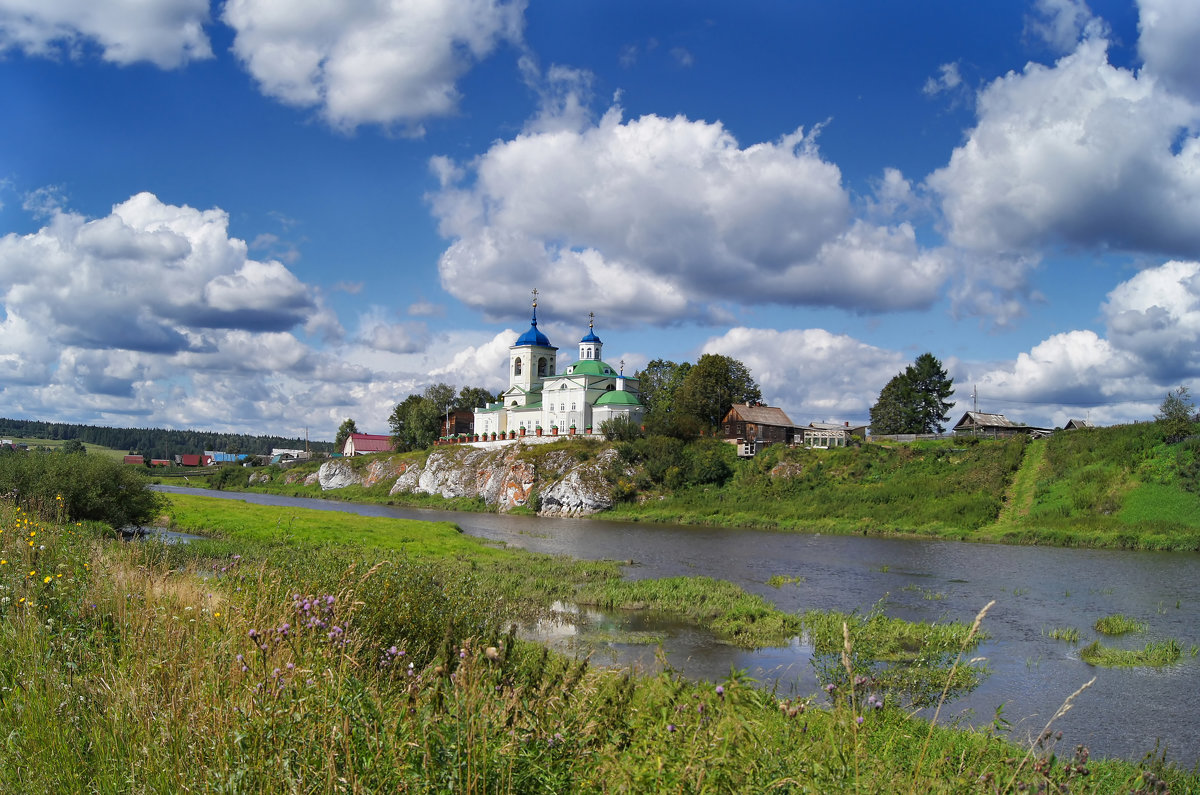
{"x": 1036, "y": 590}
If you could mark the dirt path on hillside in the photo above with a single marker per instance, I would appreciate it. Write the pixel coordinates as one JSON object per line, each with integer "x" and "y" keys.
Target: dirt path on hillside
{"x": 1018, "y": 497}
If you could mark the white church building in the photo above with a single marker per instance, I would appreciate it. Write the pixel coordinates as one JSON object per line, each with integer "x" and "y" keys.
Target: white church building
{"x": 539, "y": 398}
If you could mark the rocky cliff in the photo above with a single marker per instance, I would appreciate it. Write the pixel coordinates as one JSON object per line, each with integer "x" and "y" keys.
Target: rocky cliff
{"x": 559, "y": 482}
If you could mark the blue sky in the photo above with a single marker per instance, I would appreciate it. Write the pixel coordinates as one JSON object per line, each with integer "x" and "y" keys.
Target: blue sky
{"x": 267, "y": 216}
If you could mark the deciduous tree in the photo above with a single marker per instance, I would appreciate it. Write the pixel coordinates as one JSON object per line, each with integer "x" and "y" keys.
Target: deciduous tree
{"x": 1175, "y": 415}
{"x": 344, "y": 430}
{"x": 472, "y": 397}
{"x": 712, "y": 386}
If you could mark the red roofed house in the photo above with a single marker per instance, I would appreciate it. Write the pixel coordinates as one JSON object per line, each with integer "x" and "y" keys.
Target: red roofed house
{"x": 363, "y": 443}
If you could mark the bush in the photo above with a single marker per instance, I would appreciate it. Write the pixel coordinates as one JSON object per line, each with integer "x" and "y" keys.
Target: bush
{"x": 78, "y": 488}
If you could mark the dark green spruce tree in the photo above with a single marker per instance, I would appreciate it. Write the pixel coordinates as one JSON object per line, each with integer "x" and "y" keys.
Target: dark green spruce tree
{"x": 914, "y": 401}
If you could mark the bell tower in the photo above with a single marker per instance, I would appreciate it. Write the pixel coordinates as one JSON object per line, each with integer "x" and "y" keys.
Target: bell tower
{"x": 532, "y": 357}
{"x": 590, "y": 346}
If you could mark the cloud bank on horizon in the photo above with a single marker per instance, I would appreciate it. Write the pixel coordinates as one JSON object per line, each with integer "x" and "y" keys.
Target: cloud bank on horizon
{"x": 1061, "y": 220}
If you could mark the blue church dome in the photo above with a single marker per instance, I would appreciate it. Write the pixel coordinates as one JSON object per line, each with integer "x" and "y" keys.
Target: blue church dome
{"x": 534, "y": 336}
{"x": 591, "y": 337}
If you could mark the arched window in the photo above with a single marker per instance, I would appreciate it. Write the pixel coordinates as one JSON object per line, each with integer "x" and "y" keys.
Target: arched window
{"x": 542, "y": 367}
{"x": 517, "y": 366}
{"x": 609, "y": 388}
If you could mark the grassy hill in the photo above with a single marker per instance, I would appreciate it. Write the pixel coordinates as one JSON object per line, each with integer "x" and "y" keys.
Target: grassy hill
{"x": 1110, "y": 487}
{"x": 1104, "y": 487}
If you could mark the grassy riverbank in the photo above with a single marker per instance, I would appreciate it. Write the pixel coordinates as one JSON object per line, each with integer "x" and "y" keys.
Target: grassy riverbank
{"x": 1120, "y": 487}
{"x": 261, "y": 661}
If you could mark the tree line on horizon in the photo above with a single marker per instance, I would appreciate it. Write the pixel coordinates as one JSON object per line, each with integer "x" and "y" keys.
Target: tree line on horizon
{"x": 153, "y": 442}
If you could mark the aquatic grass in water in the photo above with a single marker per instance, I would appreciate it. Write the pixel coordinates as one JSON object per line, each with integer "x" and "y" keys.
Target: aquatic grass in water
{"x": 1155, "y": 654}
{"x": 1118, "y": 624}
{"x": 1068, "y": 634}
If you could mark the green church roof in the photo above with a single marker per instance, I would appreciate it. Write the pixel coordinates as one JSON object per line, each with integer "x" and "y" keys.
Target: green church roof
{"x": 590, "y": 367}
{"x": 618, "y": 397}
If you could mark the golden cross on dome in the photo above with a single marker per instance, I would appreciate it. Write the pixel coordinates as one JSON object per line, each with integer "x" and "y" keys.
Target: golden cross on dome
{"x": 591, "y": 319}
{"x": 535, "y": 297}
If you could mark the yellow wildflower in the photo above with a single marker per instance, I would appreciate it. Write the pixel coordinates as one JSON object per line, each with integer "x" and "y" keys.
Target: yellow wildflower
{"x": 46, "y": 580}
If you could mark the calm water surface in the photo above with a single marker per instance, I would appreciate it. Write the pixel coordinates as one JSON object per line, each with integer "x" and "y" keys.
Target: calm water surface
{"x": 1036, "y": 589}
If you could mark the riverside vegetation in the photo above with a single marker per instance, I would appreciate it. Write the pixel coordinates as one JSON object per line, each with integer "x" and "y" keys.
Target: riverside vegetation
{"x": 267, "y": 659}
{"x": 1118, "y": 487}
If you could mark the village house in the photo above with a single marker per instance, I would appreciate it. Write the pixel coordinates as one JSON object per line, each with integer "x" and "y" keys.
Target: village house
{"x": 828, "y": 434}
{"x": 754, "y": 427}
{"x": 994, "y": 426}
{"x": 364, "y": 443}
{"x": 459, "y": 421}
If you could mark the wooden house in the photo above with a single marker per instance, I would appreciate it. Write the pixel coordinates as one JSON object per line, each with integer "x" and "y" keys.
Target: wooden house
{"x": 1075, "y": 425}
{"x": 460, "y": 421}
{"x": 757, "y": 425}
{"x": 994, "y": 426}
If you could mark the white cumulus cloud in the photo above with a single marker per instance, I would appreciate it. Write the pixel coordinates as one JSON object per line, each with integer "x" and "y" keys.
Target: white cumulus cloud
{"x": 812, "y": 374}
{"x": 167, "y": 33}
{"x": 666, "y": 218}
{"x": 1168, "y": 32}
{"x": 371, "y": 61}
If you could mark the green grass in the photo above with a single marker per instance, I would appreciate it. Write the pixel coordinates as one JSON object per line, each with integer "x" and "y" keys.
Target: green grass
{"x": 1118, "y": 624}
{"x": 1118, "y": 487}
{"x": 1156, "y": 654}
{"x": 186, "y": 668}
{"x": 1068, "y": 634}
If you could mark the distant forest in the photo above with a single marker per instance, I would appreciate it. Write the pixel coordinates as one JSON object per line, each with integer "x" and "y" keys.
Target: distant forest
{"x": 154, "y": 442}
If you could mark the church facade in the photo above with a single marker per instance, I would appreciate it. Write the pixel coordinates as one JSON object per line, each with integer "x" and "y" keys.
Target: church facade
{"x": 582, "y": 396}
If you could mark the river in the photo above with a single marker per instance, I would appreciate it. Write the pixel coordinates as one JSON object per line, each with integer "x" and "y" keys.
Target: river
{"x": 1036, "y": 589}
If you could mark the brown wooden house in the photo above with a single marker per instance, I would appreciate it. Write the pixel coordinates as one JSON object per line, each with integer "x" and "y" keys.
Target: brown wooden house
{"x": 994, "y": 426}
{"x": 755, "y": 425}
{"x": 460, "y": 421}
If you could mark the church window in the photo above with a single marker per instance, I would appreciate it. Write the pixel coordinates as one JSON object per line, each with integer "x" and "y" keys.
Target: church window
{"x": 542, "y": 367}
{"x": 572, "y": 407}
{"x": 517, "y": 366}
{"x": 609, "y": 388}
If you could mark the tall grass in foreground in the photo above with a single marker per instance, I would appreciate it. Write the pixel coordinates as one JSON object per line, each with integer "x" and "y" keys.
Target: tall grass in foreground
{"x": 152, "y": 669}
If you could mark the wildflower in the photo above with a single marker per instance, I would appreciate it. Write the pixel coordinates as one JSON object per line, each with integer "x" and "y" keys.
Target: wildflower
{"x": 492, "y": 653}
{"x": 859, "y": 720}
{"x": 46, "y": 580}
{"x": 253, "y": 634}
{"x": 671, "y": 727}
{"x": 720, "y": 691}
{"x": 217, "y": 614}
{"x": 829, "y": 688}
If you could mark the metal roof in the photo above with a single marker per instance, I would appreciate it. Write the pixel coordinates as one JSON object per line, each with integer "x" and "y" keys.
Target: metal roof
{"x": 763, "y": 415}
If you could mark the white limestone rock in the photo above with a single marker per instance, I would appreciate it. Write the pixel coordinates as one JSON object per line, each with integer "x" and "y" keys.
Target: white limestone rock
{"x": 337, "y": 474}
